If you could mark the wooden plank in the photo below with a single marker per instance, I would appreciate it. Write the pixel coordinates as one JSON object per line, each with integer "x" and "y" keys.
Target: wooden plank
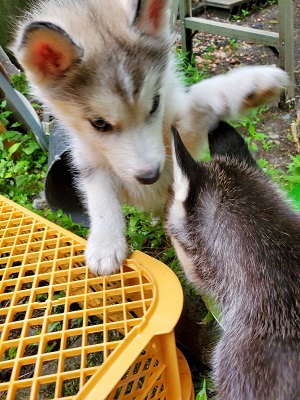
{"x": 185, "y": 11}
{"x": 229, "y": 4}
{"x": 233, "y": 31}
{"x": 173, "y": 12}
{"x": 286, "y": 43}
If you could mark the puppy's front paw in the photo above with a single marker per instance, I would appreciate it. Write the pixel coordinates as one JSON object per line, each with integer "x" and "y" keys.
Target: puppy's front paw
{"x": 259, "y": 84}
{"x": 234, "y": 93}
{"x": 105, "y": 255}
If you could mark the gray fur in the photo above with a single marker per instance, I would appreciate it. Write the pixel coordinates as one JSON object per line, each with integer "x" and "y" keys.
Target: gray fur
{"x": 242, "y": 239}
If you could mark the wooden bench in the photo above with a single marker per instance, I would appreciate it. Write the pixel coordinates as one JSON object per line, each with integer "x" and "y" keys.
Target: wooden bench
{"x": 282, "y": 41}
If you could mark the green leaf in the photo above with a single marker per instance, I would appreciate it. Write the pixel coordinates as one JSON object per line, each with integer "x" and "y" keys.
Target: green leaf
{"x": 54, "y": 326}
{"x": 251, "y": 129}
{"x": 12, "y": 352}
{"x": 295, "y": 195}
{"x": 31, "y": 148}
{"x": 209, "y": 317}
{"x": 260, "y": 136}
{"x": 59, "y": 295}
{"x": 50, "y": 346}
{"x": 212, "y": 306}
{"x": 41, "y": 297}
{"x": 13, "y": 148}
{"x": 15, "y": 125}
{"x": 21, "y": 179}
{"x": 12, "y": 135}
{"x": 292, "y": 178}
{"x": 202, "y": 394}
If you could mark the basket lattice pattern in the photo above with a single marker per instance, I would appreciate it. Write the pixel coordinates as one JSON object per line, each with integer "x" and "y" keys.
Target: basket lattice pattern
{"x": 58, "y": 323}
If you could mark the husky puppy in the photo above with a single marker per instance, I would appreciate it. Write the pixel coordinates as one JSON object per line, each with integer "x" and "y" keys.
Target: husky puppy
{"x": 106, "y": 70}
{"x": 238, "y": 239}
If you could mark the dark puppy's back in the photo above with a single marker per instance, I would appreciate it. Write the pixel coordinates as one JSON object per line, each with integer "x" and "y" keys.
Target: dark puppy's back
{"x": 241, "y": 243}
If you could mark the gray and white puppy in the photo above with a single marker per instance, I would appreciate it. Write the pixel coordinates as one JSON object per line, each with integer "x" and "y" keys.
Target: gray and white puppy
{"x": 107, "y": 71}
{"x": 238, "y": 239}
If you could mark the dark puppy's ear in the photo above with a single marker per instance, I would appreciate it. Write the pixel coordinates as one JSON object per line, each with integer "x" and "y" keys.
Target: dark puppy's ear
{"x": 47, "y": 51}
{"x": 224, "y": 140}
{"x": 152, "y": 16}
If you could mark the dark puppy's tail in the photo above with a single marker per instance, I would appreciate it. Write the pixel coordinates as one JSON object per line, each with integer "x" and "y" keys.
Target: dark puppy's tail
{"x": 224, "y": 140}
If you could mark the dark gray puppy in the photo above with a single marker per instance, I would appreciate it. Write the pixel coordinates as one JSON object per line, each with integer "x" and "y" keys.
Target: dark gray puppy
{"x": 238, "y": 239}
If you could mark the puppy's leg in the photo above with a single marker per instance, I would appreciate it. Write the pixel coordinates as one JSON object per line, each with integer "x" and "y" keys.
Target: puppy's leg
{"x": 229, "y": 95}
{"x": 106, "y": 247}
{"x": 233, "y": 93}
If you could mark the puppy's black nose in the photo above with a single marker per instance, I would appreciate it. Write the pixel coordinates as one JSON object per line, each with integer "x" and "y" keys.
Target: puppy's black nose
{"x": 148, "y": 177}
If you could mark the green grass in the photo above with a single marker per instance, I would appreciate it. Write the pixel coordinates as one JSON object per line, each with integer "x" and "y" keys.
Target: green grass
{"x": 22, "y": 163}
{"x": 187, "y": 70}
{"x": 289, "y": 178}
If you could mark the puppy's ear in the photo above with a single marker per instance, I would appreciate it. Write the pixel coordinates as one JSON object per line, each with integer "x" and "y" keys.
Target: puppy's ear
{"x": 152, "y": 16}
{"x": 46, "y": 51}
{"x": 224, "y": 140}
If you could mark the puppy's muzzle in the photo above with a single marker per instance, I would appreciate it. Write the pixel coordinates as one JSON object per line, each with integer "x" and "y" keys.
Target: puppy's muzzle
{"x": 148, "y": 177}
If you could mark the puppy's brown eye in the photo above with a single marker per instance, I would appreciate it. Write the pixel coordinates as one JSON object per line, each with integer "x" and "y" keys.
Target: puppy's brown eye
{"x": 101, "y": 125}
{"x": 155, "y": 104}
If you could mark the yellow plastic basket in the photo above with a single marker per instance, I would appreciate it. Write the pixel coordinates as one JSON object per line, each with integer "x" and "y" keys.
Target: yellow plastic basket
{"x": 66, "y": 333}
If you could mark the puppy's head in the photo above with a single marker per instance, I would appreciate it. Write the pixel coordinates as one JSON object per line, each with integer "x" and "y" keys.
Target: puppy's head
{"x": 101, "y": 67}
